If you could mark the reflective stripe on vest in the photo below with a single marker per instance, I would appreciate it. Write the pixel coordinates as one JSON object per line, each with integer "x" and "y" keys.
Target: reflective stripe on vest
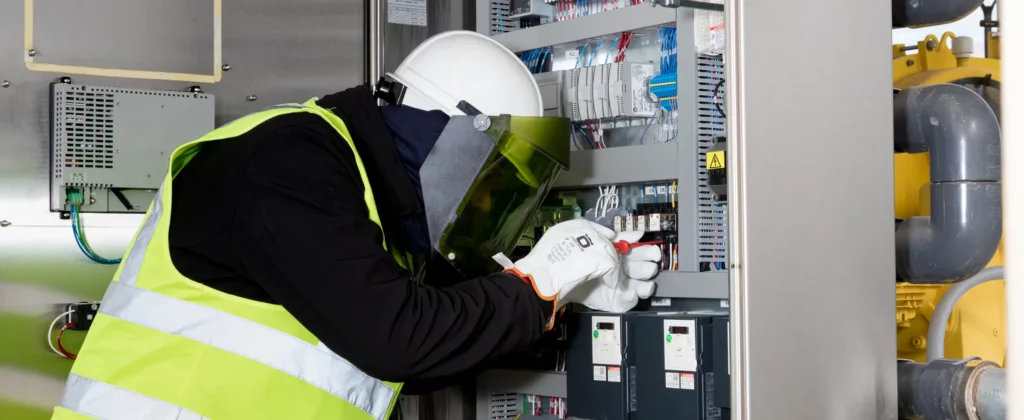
{"x": 108, "y": 402}
{"x": 249, "y": 339}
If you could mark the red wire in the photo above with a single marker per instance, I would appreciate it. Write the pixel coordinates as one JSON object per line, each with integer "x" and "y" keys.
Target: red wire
{"x": 597, "y": 143}
{"x": 60, "y": 347}
{"x": 626, "y": 37}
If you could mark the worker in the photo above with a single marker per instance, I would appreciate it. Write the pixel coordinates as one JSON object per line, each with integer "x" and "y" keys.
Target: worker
{"x": 272, "y": 278}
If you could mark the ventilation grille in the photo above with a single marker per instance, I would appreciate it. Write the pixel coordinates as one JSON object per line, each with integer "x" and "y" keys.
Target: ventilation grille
{"x": 711, "y": 238}
{"x": 501, "y": 17}
{"x": 504, "y": 406}
{"x": 83, "y": 130}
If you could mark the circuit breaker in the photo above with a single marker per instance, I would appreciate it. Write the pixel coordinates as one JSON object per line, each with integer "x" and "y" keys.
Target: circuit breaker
{"x": 111, "y": 146}
{"x": 598, "y": 375}
{"x": 674, "y": 356}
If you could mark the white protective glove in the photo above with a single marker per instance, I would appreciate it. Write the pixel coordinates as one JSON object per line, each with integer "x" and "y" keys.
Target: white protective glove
{"x": 573, "y": 253}
{"x": 633, "y": 284}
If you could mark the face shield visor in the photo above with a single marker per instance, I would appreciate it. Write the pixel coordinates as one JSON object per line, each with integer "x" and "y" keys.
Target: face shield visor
{"x": 484, "y": 181}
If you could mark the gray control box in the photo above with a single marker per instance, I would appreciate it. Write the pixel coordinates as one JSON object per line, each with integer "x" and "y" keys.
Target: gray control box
{"x": 114, "y": 144}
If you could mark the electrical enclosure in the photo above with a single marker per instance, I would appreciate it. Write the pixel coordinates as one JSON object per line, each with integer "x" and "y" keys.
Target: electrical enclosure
{"x": 114, "y": 143}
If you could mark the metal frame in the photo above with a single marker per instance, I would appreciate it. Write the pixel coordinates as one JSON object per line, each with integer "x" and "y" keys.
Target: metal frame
{"x": 32, "y": 64}
{"x": 811, "y": 302}
{"x": 585, "y": 27}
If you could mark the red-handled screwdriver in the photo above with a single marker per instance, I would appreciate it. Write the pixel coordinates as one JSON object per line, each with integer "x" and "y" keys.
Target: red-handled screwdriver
{"x": 623, "y": 247}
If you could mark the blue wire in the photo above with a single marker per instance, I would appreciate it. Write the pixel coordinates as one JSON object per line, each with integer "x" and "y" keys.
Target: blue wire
{"x": 589, "y": 140}
{"x": 540, "y": 68}
{"x": 74, "y": 229}
{"x": 664, "y": 36}
{"x": 671, "y": 49}
{"x": 596, "y": 49}
{"x": 611, "y": 47}
{"x": 583, "y": 52}
{"x": 82, "y": 245}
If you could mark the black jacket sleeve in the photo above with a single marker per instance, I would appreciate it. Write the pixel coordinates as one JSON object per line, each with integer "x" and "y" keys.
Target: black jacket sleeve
{"x": 306, "y": 238}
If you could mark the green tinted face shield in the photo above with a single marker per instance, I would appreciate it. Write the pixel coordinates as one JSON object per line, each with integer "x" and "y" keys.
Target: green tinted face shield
{"x": 484, "y": 181}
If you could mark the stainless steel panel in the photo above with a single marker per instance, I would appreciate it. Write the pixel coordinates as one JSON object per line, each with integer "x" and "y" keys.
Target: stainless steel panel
{"x": 812, "y": 302}
{"x": 400, "y": 40}
{"x": 171, "y": 36}
{"x": 277, "y": 52}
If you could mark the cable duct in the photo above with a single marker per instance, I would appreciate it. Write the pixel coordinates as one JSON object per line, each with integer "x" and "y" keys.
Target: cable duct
{"x": 962, "y": 233}
{"x": 919, "y": 13}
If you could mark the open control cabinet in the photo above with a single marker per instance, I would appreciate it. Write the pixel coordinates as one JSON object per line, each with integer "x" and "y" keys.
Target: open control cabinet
{"x": 645, "y": 108}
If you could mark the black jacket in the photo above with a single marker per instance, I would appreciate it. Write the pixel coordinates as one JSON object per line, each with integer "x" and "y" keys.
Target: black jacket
{"x": 277, "y": 215}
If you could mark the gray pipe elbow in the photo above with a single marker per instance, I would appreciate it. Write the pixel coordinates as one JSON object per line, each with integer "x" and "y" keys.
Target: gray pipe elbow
{"x": 918, "y": 13}
{"x": 955, "y": 125}
{"x": 962, "y": 134}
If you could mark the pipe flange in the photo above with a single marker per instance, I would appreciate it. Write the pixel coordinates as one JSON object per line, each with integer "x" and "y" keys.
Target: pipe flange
{"x": 971, "y": 390}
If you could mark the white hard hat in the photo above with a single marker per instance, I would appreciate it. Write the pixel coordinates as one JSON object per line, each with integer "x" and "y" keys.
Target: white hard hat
{"x": 466, "y": 66}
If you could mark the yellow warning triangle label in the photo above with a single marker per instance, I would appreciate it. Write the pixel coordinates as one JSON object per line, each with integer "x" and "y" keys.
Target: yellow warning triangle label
{"x": 715, "y": 160}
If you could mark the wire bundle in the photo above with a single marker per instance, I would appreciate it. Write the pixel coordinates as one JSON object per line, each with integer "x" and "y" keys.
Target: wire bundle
{"x": 75, "y": 198}
{"x": 535, "y": 59}
{"x": 59, "y": 349}
{"x": 608, "y": 199}
{"x": 667, "y": 37}
{"x": 623, "y": 46}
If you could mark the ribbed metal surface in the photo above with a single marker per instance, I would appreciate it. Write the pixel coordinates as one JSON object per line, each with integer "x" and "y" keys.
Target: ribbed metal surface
{"x": 711, "y": 229}
{"x": 500, "y": 17}
{"x": 504, "y": 406}
{"x": 83, "y": 130}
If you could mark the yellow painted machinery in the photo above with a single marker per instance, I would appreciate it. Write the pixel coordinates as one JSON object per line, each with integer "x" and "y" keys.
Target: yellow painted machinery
{"x": 977, "y": 325}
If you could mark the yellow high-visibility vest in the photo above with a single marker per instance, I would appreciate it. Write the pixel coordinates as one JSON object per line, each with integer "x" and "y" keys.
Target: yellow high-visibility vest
{"x": 164, "y": 347}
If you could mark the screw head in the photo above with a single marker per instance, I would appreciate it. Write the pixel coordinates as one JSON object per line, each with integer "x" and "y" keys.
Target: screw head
{"x": 481, "y": 122}
{"x": 32, "y": 52}
{"x": 250, "y": 98}
{"x": 910, "y": 63}
{"x": 4, "y": 223}
{"x": 451, "y": 255}
{"x": 5, "y": 84}
{"x": 931, "y": 44}
{"x": 195, "y": 89}
{"x": 918, "y": 342}
{"x": 95, "y": 306}
{"x": 65, "y": 80}
{"x": 226, "y": 67}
